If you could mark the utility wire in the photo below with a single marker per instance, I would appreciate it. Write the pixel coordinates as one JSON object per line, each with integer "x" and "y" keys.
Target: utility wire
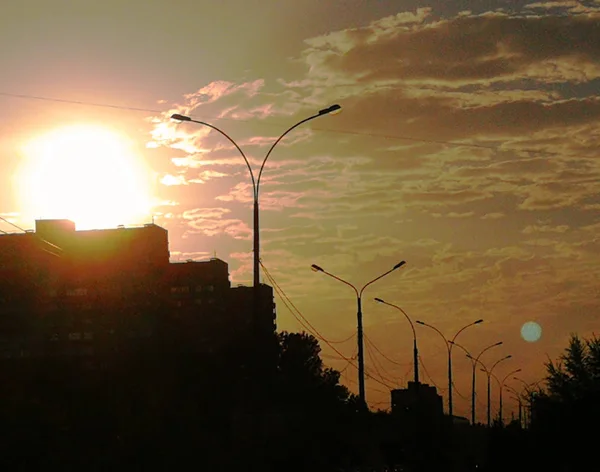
{"x": 285, "y": 297}
{"x": 39, "y": 237}
{"x": 370, "y": 344}
{"x": 387, "y": 358}
{"x": 429, "y": 376}
{"x": 326, "y": 130}
{"x": 372, "y": 358}
{"x": 353, "y": 335}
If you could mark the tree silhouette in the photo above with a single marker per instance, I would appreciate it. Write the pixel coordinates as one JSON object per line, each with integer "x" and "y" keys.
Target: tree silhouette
{"x": 567, "y": 410}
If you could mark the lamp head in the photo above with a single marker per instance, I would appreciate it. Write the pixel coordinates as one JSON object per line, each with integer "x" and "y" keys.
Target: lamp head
{"x": 498, "y": 343}
{"x": 378, "y": 300}
{"x": 419, "y": 322}
{"x": 478, "y": 321}
{"x": 316, "y": 268}
{"x": 330, "y": 110}
{"x": 178, "y": 117}
{"x": 400, "y": 264}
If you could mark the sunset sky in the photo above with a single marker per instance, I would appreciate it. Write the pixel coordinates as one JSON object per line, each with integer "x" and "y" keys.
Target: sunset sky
{"x": 467, "y": 145}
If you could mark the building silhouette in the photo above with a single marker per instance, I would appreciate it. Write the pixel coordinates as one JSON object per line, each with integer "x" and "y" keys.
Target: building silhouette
{"x": 80, "y": 294}
{"x": 418, "y": 402}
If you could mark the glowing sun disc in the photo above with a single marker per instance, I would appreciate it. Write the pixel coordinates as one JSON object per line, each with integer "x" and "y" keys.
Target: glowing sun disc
{"x": 531, "y": 331}
{"x": 88, "y": 174}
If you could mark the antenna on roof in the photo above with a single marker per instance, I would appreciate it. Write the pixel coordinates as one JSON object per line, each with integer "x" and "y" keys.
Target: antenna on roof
{"x": 214, "y": 253}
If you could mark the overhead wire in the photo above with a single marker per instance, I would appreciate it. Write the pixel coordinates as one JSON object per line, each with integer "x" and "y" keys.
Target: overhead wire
{"x": 387, "y": 358}
{"x": 54, "y": 246}
{"x": 375, "y": 367}
{"x": 371, "y": 344}
{"x": 326, "y": 130}
{"x": 286, "y": 299}
{"x": 429, "y": 376}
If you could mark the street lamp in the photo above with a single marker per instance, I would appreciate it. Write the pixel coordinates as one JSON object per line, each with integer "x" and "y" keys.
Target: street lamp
{"x": 474, "y": 361}
{"x": 517, "y": 396}
{"x": 412, "y": 326}
{"x": 489, "y": 387}
{"x": 501, "y": 384}
{"x": 256, "y": 187}
{"x": 449, "y": 345}
{"x": 361, "y": 357}
{"x": 528, "y": 388}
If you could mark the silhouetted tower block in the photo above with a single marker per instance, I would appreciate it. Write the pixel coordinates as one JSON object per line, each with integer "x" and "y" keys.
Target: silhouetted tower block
{"x": 418, "y": 402}
{"x": 81, "y": 293}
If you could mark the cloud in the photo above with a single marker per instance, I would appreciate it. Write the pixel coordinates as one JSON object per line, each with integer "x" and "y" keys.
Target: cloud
{"x": 466, "y": 49}
{"x": 545, "y": 229}
{"x": 213, "y": 222}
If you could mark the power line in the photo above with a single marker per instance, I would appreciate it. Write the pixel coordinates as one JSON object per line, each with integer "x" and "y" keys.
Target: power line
{"x": 385, "y": 357}
{"x": 285, "y": 299}
{"x": 39, "y": 237}
{"x": 372, "y": 357}
{"x": 429, "y": 376}
{"x": 326, "y": 130}
{"x": 77, "y": 102}
{"x": 353, "y": 335}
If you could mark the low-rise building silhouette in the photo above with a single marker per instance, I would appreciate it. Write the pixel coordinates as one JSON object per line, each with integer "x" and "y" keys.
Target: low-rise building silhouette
{"x": 80, "y": 293}
{"x": 419, "y": 402}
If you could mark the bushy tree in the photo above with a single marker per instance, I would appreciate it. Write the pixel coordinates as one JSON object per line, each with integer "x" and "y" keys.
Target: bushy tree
{"x": 576, "y": 375}
{"x": 568, "y": 409}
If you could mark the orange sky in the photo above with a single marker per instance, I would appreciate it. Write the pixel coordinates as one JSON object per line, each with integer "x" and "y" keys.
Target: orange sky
{"x": 467, "y": 146}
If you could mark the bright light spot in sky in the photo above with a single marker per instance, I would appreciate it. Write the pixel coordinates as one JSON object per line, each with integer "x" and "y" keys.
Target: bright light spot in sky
{"x": 88, "y": 174}
{"x": 531, "y": 331}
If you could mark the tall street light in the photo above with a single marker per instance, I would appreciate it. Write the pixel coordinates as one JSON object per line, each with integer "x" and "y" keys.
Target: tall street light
{"x": 256, "y": 188}
{"x": 529, "y": 393}
{"x": 489, "y": 386}
{"x": 449, "y": 345}
{"x": 358, "y": 292}
{"x": 517, "y": 396}
{"x": 501, "y": 384}
{"x": 474, "y": 361}
{"x": 412, "y": 326}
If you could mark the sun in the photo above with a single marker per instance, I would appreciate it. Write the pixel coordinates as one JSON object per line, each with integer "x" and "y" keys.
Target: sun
{"x": 88, "y": 174}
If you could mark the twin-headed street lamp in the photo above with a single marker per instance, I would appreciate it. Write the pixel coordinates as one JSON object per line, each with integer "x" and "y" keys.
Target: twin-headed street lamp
{"x": 449, "y": 344}
{"x": 501, "y": 384}
{"x": 489, "y": 372}
{"x": 358, "y": 292}
{"x": 256, "y": 187}
{"x": 474, "y": 361}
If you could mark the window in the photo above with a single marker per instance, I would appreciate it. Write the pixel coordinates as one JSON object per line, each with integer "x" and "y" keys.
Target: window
{"x": 199, "y": 288}
{"x": 180, "y": 289}
{"x": 74, "y": 336}
{"x": 77, "y": 292}
{"x": 209, "y": 288}
{"x": 88, "y": 336}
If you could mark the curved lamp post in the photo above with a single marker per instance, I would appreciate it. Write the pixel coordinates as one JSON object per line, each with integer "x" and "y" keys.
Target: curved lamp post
{"x": 449, "y": 345}
{"x": 517, "y": 397}
{"x": 358, "y": 292}
{"x": 501, "y": 384}
{"x": 256, "y": 186}
{"x": 412, "y": 326}
{"x": 529, "y": 393}
{"x": 474, "y": 361}
{"x": 489, "y": 372}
